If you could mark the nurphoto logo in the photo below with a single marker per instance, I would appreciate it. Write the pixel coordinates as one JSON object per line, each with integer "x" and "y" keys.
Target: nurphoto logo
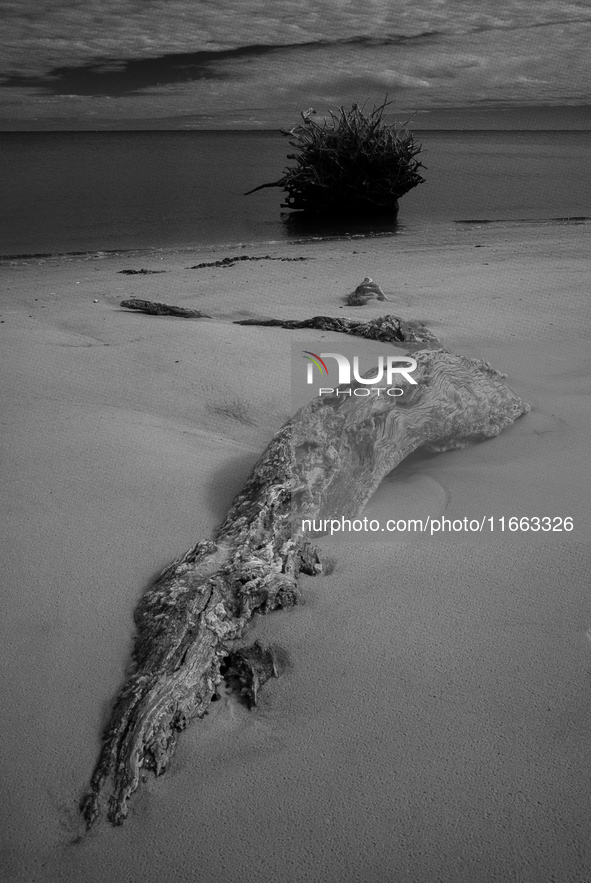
{"x": 388, "y": 366}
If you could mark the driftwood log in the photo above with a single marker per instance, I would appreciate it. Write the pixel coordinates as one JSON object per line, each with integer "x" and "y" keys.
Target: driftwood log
{"x": 389, "y": 329}
{"x": 326, "y": 461}
{"x": 154, "y": 308}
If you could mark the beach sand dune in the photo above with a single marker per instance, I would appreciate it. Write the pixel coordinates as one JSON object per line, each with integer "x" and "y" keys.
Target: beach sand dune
{"x": 433, "y": 721}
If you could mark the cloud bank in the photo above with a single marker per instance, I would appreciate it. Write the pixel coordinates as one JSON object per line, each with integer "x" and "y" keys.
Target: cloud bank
{"x": 157, "y": 58}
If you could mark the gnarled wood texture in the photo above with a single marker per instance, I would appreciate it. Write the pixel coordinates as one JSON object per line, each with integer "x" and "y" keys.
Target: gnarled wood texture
{"x": 326, "y": 461}
{"x": 343, "y": 446}
{"x": 389, "y": 329}
{"x": 364, "y": 293}
{"x": 155, "y": 308}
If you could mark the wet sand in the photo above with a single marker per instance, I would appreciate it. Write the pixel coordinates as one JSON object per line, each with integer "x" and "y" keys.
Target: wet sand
{"x": 433, "y": 723}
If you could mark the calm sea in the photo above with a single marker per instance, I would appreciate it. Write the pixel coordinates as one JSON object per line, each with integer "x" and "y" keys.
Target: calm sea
{"x": 98, "y": 191}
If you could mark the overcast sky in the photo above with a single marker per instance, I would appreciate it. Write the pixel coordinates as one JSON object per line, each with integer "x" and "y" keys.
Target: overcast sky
{"x": 257, "y": 63}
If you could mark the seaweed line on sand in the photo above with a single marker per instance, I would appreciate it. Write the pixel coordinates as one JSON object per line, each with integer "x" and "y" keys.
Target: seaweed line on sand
{"x": 228, "y": 262}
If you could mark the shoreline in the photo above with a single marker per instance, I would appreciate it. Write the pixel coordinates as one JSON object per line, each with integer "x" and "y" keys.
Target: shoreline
{"x": 415, "y": 229}
{"x": 433, "y": 723}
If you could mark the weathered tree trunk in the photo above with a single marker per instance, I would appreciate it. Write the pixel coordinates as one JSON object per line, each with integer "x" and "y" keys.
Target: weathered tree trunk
{"x": 326, "y": 461}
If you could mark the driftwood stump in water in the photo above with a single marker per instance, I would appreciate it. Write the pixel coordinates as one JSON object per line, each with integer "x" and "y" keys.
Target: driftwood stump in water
{"x": 327, "y": 460}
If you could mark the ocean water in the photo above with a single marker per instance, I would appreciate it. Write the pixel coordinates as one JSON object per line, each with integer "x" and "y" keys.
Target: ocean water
{"x": 64, "y": 192}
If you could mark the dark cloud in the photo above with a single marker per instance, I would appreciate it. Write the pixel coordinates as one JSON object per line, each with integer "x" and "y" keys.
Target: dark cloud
{"x": 111, "y": 77}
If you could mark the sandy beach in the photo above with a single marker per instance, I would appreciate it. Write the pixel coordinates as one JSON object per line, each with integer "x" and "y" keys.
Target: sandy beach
{"x": 433, "y": 723}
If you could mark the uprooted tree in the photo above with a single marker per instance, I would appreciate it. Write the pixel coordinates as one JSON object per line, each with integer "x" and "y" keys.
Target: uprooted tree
{"x": 330, "y": 457}
{"x": 351, "y": 163}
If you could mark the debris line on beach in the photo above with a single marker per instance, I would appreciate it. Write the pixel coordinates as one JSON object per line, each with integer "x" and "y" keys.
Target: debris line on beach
{"x": 141, "y": 272}
{"x": 228, "y": 262}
